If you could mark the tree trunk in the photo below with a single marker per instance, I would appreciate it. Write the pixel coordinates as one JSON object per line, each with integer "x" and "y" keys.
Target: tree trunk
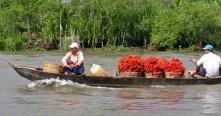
{"x": 60, "y": 44}
{"x": 29, "y": 30}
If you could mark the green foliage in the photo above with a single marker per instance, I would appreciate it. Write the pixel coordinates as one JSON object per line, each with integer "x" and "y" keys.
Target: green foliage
{"x": 166, "y": 24}
{"x": 185, "y": 24}
{"x": 110, "y": 48}
{"x": 66, "y": 42}
{"x": 13, "y": 44}
{"x": 2, "y": 45}
{"x": 194, "y": 48}
{"x": 39, "y": 49}
{"x": 20, "y": 42}
{"x": 165, "y": 29}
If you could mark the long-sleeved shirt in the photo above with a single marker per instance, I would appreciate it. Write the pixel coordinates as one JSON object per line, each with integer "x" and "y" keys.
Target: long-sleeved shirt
{"x": 78, "y": 58}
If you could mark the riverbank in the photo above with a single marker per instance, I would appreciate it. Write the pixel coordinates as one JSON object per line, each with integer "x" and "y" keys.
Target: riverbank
{"x": 109, "y": 51}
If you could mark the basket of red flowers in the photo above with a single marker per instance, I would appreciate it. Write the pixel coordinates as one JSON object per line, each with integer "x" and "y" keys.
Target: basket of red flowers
{"x": 131, "y": 66}
{"x": 174, "y": 69}
{"x": 154, "y": 67}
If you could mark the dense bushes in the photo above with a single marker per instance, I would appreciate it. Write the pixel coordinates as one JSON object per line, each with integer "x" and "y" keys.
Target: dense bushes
{"x": 184, "y": 25}
{"x": 166, "y": 24}
{"x": 13, "y": 44}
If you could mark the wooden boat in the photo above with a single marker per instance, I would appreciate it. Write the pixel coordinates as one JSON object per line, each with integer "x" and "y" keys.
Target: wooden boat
{"x": 32, "y": 73}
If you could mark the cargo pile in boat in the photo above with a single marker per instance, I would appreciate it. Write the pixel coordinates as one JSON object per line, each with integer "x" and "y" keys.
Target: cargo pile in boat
{"x": 152, "y": 67}
{"x": 132, "y": 64}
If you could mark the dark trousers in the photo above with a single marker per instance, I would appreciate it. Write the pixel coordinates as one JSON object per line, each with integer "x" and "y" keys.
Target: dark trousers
{"x": 202, "y": 71}
{"x": 75, "y": 70}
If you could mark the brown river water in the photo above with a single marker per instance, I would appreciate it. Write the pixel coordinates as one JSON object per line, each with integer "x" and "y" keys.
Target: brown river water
{"x": 20, "y": 97}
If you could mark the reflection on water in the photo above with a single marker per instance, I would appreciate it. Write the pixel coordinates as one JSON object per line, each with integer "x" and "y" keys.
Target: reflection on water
{"x": 140, "y": 106}
{"x": 50, "y": 103}
{"x": 20, "y": 100}
{"x": 149, "y": 101}
{"x": 70, "y": 101}
{"x": 211, "y": 101}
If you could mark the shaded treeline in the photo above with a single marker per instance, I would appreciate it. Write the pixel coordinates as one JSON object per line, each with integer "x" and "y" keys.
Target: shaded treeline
{"x": 159, "y": 24}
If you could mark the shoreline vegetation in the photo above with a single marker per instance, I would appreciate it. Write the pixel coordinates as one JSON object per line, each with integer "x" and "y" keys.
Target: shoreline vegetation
{"x": 110, "y": 25}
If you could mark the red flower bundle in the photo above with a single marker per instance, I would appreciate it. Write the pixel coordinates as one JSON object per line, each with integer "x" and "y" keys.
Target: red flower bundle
{"x": 175, "y": 66}
{"x": 131, "y": 63}
{"x": 154, "y": 65}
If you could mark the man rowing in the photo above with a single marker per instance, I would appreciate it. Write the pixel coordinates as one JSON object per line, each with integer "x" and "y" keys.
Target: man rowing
{"x": 73, "y": 60}
{"x": 208, "y": 65}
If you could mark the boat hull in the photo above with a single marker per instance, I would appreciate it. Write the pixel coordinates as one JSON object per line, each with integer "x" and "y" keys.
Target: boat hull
{"x": 33, "y": 74}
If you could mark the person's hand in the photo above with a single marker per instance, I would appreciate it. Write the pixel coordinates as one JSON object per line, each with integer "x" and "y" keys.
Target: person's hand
{"x": 193, "y": 60}
{"x": 65, "y": 65}
{"x": 68, "y": 66}
{"x": 73, "y": 65}
{"x": 192, "y": 73}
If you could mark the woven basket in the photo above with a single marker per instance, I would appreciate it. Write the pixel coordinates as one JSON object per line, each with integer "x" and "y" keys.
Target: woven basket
{"x": 174, "y": 75}
{"x": 50, "y": 67}
{"x": 154, "y": 75}
{"x": 131, "y": 74}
